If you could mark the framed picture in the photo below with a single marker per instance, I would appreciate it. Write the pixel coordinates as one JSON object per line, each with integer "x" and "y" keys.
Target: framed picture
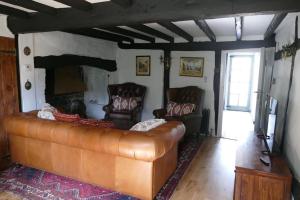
{"x": 143, "y": 64}
{"x": 191, "y": 66}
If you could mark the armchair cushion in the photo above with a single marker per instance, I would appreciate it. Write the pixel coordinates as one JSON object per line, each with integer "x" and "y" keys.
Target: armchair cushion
{"x": 124, "y": 103}
{"x": 179, "y": 109}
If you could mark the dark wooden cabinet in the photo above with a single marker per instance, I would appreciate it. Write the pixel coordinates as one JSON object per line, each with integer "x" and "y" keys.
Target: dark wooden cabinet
{"x": 8, "y": 89}
{"x": 256, "y": 181}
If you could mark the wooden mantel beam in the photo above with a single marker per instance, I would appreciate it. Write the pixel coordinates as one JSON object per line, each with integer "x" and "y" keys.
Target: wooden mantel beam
{"x": 108, "y": 14}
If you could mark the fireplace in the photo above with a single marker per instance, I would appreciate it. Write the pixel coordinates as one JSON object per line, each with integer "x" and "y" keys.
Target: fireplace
{"x": 65, "y": 89}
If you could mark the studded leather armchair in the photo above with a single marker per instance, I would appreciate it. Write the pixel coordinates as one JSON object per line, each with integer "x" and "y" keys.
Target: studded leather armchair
{"x": 189, "y": 94}
{"x": 125, "y": 119}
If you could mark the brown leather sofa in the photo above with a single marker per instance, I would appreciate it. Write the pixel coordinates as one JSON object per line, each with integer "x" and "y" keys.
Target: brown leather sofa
{"x": 189, "y": 94}
{"x": 130, "y": 162}
{"x": 125, "y": 119}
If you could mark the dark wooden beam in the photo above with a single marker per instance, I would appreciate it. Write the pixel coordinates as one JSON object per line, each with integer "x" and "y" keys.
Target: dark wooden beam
{"x": 50, "y": 62}
{"x": 202, "y": 46}
{"x": 277, "y": 19}
{"x": 167, "y": 67}
{"x": 175, "y": 29}
{"x": 33, "y": 5}
{"x": 108, "y": 14}
{"x": 216, "y": 86}
{"x": 239, "y": 21}
{"x": 206, "y": 29}
{"x": 94, "y": 33}
{"x": 78, "y": 4}
{"x": 6, "y": 10}
{"x": 129, "y": 33}
{"x": 151, "y": 31}
{"x": 123, "y": 3}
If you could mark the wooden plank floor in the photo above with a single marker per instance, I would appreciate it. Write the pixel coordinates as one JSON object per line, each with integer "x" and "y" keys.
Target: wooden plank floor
{"x": 211, "y": 174}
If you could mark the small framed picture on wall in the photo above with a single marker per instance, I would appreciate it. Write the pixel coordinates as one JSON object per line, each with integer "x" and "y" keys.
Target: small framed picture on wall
{"x": 143, "y": 65}
{"x": 191, "y": 66}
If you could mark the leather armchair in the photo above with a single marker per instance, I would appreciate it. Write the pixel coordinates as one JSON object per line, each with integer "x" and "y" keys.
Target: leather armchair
{"x": 189, "y": 94}
{"x": 125, "y": 119}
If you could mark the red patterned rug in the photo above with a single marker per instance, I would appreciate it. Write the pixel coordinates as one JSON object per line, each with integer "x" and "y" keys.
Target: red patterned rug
{"x": 35, "y": 184}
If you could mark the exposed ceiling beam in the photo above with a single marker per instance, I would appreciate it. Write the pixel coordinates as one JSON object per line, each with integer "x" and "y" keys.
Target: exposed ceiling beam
{"x": 201, "y": 46}
{"x": 151, "y": 31}
{"x": 123, "y": 3}
{"x": 6, "y": 10}
{"x": 78, "y": 4}
{"x": 33, "y": 5}
{"x": 276, "y": 21}
{"x": 129, "y": 33}
{"x": 94, "y": 33}
{"x": 201, "y": 23}
{"x": 239, "y": 21}
{"x": 107, "y": 14}
{"x": 175, "y": 29}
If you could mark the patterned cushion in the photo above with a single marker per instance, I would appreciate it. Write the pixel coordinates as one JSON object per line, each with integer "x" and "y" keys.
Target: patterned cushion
{"x": 177, "y": 109}
{"x": 66, "y": 117}
{"x": 97, "y": 123}
{"x": 148, "y": 125}
{"x": 124, "y": 103}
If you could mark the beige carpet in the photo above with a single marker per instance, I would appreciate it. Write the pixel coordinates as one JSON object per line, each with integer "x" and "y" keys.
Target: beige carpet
{"x": 9, "y": 196}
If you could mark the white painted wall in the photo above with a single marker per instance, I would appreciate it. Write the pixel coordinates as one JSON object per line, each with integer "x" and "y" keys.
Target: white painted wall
{"x": 57, "y": 43}
{"x": 126, "y": 62}
{"x": 205, "y": 83}
{"x": 4, "y": 31}
{"x": 285, "y": 35}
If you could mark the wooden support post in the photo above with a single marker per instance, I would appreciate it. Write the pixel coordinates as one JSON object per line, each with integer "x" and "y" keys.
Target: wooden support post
{"x": 167, "y": 66}
{"x": 217, "y": 76}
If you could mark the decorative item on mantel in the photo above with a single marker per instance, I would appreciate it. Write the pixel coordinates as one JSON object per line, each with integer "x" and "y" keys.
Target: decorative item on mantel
{"x": 191, "y": 66}
{"x": 143, "y": 64}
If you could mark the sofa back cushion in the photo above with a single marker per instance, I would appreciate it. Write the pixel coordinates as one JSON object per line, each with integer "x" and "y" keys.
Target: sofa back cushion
{"x": 66, "y": 117}
{"x": 97, "y": 123}
{"x": 179, "y": 109}
{"x": 124, "y": 103}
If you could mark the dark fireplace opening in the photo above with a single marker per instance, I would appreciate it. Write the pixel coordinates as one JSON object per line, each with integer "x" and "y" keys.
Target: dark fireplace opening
{"x": 65, "y": 89}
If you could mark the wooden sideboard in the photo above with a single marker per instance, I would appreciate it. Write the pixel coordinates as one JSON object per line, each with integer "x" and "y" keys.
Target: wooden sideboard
{"x": 256, "y": 181}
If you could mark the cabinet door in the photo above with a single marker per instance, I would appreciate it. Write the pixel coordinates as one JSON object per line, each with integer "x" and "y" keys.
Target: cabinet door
{"x": 270, "y": 188}
{"x": 244, "y": 187}
{"x": 8, "y": 87}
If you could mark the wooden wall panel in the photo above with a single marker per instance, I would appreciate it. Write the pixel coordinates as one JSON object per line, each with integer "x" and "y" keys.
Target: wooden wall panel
{"x": 8, "y": 87}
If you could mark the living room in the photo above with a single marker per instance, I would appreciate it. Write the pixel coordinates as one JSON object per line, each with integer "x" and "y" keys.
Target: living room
{"x": 80, "y": 69}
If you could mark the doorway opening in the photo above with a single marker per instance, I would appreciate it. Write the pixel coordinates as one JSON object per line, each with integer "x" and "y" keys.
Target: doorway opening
{"x": 241, "y": 83}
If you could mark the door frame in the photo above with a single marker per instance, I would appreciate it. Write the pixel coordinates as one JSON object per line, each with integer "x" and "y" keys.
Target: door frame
{"x": 224, "y": 65}
{"x": 227, "y": 94}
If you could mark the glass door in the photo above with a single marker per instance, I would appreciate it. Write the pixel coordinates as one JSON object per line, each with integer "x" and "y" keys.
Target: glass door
{"x": 240, "y": 82}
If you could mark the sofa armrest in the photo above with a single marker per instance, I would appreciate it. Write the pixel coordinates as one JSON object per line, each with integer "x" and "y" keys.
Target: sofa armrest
{"x": 160, "y": 113}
